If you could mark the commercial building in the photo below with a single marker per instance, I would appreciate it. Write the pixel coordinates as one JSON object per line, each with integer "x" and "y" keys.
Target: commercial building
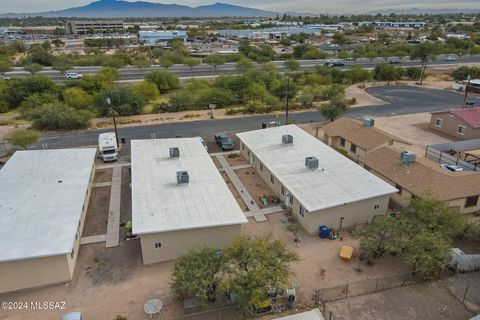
{"x": 462, "y": 124}
{"x": 42, "y": 212}
{"x": 321, "y": 186}
{"x": 420, "y": 177}
{"x": 179, "y": 199}
{"x": 358, "y": 138}
{"x": 86, "y": 27}
{"x": 161, "y": 37}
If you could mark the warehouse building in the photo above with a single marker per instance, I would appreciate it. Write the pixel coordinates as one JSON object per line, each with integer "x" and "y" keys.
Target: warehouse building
{"x": 179, "y": 199}
{"x": 160, "y": 37}
{"x": 321, "y": 186}
{"x": 42, "y": 212}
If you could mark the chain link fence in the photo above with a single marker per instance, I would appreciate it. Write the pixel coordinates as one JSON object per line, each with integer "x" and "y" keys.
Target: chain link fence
{"x": 364, "y": 287}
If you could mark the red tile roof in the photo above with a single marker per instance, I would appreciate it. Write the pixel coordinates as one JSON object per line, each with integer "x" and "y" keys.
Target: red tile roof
{"x": 470, "y": 115}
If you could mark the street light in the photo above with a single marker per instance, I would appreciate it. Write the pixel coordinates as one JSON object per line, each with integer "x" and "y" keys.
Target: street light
{"x": 109, "y": 102}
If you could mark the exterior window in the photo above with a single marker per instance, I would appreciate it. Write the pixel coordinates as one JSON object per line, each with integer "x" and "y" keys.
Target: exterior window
{"x": 261, "y": 166}
{"x": 272, "y": 179}
{"x": 302, "y": 211}
{"x": 291, "y": 200}
{"x": 248, "y": 152}
{"x": 438, "y": 122}
{"x": 282, "y": 190}
{"x": 471, "y": 201}
{"x": 377, "y": 206}
{"x": 243, "y": 146}
{"x": 390, "y": 143}
{"x": 158, "y": 245}
{"x": 461, "y": 130}
{"x": 342, "y": 142}
{"x": 353, "y": 148}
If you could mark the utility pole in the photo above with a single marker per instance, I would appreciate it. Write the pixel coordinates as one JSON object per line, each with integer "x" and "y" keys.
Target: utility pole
{"x": 286, "y": 100}
{"x": 109, "y": 102}
{"x": 469, "y": 76}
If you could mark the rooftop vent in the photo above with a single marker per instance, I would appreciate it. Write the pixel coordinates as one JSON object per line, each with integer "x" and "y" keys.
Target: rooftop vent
{"x": 174, "y": 152}
{"x": 311, "y": 162}
{"x": 287, "y": 139}
{"x": 368, "y": 122}
{"x": 182, "y": 177}
{"x": 407, "y": 157}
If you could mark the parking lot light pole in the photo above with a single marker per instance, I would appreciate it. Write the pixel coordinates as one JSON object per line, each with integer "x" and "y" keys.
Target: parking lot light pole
{"x": 109, "y": 102}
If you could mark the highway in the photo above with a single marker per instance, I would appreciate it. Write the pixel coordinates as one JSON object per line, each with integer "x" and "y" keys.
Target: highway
{"x": 399, "y": 100}
{"x": 205, "y": 70}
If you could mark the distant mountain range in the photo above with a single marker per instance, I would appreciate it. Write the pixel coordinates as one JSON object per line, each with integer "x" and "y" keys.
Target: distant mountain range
{"x": 142, "y": 9}
{"x": 419, "y": 11}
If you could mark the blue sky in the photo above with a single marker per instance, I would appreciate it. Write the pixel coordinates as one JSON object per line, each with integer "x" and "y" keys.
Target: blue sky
{"x": 313, "y": 6}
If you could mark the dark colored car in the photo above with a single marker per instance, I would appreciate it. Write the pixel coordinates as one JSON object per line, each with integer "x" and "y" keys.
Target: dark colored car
{"x": 224, "y": 141}
{"x": 332, "y": 64}
{"x": 394, "y": 61}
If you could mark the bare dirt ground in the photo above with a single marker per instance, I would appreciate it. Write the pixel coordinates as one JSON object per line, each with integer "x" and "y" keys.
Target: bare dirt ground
{"x": 103, "y": 175}
{"x": 426, "y": 301}
{"x": 255, "y": 186}
{"x": 234, "y": 192}
{"x": 361, "y": 96}
{"x": 96, "y": 220}
{"x": 465, "y": 285}
{"x": 125, "y": 201}
{"x": 235, "y": 159}
{"x": 320, "y": 265}
{"x": 215, "y": 161}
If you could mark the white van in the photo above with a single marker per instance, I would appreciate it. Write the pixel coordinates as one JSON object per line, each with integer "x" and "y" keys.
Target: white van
{"x": 73, "y": 75}
{"x": 107, "y": 146}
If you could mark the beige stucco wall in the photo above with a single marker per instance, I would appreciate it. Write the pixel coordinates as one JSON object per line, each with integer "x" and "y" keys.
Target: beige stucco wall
{"x": 355, "y": 213}
{"x": 176, "y": 243}
{"x": 30, "y": 273}
{"x": 21, "y": 274}
{"x": 450, "y": 126}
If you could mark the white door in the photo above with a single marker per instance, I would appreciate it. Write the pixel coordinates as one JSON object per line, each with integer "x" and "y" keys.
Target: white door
{"x": 287, "y": 199}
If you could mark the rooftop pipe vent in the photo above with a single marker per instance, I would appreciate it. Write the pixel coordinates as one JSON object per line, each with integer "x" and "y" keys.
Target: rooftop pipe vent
{"x": 408, "y": 157}
{"x": 182, "y": 177}
{"x": 369, "y": 122}
{"x": 287, "y": 139}
{"x": 174, "y": 152}
{"x": 311, "y": 163}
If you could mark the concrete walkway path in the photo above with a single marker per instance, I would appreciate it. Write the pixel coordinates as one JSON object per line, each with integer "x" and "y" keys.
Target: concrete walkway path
{"x": 113, "y": 227}
{"x": 101, "y": 184}
{"x": 242, "y": 166}
{"x": 93, "y": 239}
{"x": 246, "y": 197}
{"x": 113, "y": 165}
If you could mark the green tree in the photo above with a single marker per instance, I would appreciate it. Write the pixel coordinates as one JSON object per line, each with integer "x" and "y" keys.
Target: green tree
{"x": 343, "y": 54}
{"x": 77, "y": 98}
{"x": 58, "y": 43}
{"x": 33, "y": 68}
{"x": 386, "y": 72}
{"x": 214, "y": 60}
{"x": 244, "y": 65}
{"x": 198, "y": 274}
{"x": 146, "y": 90}
{"x": 141, "y": 63}
{"x": 291, "y": 65}
{"x": 413, "y": 73}
{"x": 6, "y": 65}
{"x": 371, "y": 55}
{"x": 423, "y": 52}
{"x": 191, "y": 62}
{"x": 60, "y": 117}
{"x": 255, "y": 263}
{"x": 335, "y": 107}
{"x": 122, "y": 100}
{"x": 164, "y": 80}
{"x": 166, "y": 63}
{"x": 62, "y": 64}
{"x": 24, "y": 138}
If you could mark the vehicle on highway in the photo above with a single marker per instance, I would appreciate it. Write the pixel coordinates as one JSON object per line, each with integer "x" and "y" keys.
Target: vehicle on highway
{"x": 2, "y": 77}
{"x": 331, "y": 64}
{"x": 224, "y": 141}
{"x": 72, "y": 75}
{"x": 394, "y": 61}
{"x": 451, "y": 167}
{"x": 107, "y": 146}
{"x": 450, "y": 58}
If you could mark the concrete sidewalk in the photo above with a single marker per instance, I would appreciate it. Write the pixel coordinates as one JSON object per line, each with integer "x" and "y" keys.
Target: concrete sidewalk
{"x": 113, "y": 227}
{"x": 93, "y": 239}
{"x": 101, "y": 184}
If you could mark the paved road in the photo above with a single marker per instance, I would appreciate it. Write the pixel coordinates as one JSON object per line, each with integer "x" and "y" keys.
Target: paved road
{"x": 205, "y": 70}
{"x": 401, "y": 100}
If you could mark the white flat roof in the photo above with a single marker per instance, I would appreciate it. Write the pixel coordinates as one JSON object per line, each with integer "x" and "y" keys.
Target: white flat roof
{"x": 313, "y": 314}
{"x": 159, "y": 204}
{"x": 41, "y": 202}
{"x": 337, "y": 181}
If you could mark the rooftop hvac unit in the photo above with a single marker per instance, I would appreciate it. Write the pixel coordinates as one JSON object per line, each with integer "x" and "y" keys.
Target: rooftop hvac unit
{"x": 311, "y": 162}
{"x": 407, "y": 157}
{"x": 287, "y": 139}
{"x": 182, "y": 177}
{"x": 174, "y": 152}
{"x": 368, "y": 122}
